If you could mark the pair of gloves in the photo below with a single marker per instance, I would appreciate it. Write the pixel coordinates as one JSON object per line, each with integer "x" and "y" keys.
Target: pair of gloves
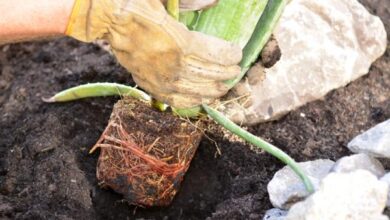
{"x": 177, "y": 66}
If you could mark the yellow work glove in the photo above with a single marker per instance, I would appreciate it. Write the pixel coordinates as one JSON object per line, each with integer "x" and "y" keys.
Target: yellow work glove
{"x": 177, "y": 66}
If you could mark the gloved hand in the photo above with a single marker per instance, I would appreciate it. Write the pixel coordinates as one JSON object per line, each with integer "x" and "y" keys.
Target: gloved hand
{"x": 177, "y": 66}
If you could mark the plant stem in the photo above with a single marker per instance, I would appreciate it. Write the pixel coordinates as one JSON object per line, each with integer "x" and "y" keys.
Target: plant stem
{"x": 173, "y": 8}
{"x": 276, "y": 152}
{"x": 162, "y": 107}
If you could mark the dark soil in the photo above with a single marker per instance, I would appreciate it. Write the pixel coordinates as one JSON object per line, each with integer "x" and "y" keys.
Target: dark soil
{"x": 47, "y": 173}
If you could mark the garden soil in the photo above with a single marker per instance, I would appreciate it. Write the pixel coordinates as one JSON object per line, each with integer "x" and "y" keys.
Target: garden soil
{"x": 47, "y": 173}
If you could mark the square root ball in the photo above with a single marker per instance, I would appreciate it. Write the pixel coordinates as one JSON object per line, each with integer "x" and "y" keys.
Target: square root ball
{"x": 144, "y": 153}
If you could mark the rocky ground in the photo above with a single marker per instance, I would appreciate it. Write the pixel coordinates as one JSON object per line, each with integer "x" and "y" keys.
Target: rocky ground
{"x": 47, "y": 173}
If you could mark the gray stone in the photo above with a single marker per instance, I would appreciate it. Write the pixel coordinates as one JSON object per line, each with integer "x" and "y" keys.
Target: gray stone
{"x": 324, "y": 45}
{"x": 357, "y": 195}
{"x": 275, "y": 214}
{"x": 359, "y": 161}
{"x": 286, "y": 188}
{"x": 374, "y": 142}
{"x": 386, "y": 179}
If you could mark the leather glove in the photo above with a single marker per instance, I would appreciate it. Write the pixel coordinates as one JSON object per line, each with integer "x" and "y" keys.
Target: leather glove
{"x": 177, "y": 66}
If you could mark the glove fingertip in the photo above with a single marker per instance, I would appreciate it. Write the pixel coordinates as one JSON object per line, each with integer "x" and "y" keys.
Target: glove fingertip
{"x": 233, "y": 54}
{"x": 215, "y": 50}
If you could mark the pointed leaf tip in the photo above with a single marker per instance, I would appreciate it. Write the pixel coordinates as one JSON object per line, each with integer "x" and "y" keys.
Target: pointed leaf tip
{"x": 49, "y": 100}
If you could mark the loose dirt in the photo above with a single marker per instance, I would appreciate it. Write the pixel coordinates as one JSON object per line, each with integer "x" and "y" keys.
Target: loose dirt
{"x": 47, "y": 173}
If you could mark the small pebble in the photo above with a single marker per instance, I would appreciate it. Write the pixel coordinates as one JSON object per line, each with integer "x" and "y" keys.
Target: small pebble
{"x": 52, "y": 187}
{"x": 275, "y": 214}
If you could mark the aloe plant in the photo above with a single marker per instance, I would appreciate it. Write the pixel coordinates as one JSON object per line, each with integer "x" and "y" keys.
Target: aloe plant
{"x": 249, "y": 23}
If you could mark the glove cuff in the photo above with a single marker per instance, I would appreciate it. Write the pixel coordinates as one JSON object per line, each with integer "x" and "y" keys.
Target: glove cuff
{"x": 77, "y": 24}
{"x": 86, "y": 22}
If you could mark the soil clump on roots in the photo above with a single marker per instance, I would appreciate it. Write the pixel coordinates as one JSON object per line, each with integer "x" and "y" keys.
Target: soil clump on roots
{"x": 46, "y": 171}
{"x": 145, "y": 153}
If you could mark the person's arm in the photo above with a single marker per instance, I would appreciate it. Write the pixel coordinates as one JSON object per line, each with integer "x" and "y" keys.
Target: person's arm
{"x": 31, "y": 19}
{"x": 175, "y": 65}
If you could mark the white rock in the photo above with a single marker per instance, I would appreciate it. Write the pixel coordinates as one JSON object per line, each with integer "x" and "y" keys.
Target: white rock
{"x": 375, "y": 141}
{"x": 275, "y": 214}
{"x": 325, "y": 44}
{"x": 286, "y": 188}
{"x": 386, "y": 179}
{"x": 358, "y": 195}
{"x": 359, "y": 161}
